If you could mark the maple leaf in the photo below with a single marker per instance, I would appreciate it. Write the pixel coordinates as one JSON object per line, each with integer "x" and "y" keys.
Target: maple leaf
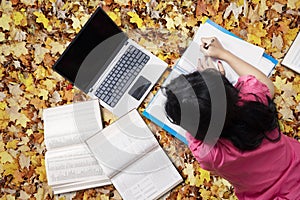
{"x": 9, "y": 168}
{"x": 116, "y": 18}
{"x": 24, "y": 161}
{"x": 12, "y": 144}
{"x": 39, "y": 53}
{"x": 135, "y": 19}
{"x": 76, "y": 24}
{"x": 293, "y": 4}
{"x": 263, "y": 7}
{"x": 4, "y": 21}
{"x": 15, "y": 90}
{"x": 234, "y": 9}
{"x": 2, "y": 37}
{"x": 19, "y": 18}
{"x": 6, "y": 157}
{"x": 6, "y": 6}
{"x": 279, "y": 83}
{"x": 41, "y": 171}
{"x": 19, "y": 49}
{"x": 42, "y": 19}
{"x": 18, "y": 177}
{"x": 277, "y": 42}
{"x": 256, "y": 32}
{"x": 287, "y": 113}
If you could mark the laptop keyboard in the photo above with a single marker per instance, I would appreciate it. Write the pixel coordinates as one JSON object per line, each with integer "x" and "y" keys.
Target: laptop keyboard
{"x": 122, "y": 75}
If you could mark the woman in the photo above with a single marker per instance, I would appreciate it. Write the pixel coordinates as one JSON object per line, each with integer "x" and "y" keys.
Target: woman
{"x": 250, "y": 152}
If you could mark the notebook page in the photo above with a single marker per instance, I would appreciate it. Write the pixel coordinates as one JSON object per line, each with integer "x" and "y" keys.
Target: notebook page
{"x": 121, "y": 143}
{"x": 71, "y": 164}
{"x": 148, "y": 178}
{"x": 251, "y": 53}
{"x": 291, "y": 59}
{"x": 71, "y": 124}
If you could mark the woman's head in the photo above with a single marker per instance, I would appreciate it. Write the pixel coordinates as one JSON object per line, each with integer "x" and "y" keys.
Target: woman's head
{"x": 190, "y": 94}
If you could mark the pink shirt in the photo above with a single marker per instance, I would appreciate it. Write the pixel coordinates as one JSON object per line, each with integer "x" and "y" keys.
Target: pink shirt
{"x": 272, "y": 171}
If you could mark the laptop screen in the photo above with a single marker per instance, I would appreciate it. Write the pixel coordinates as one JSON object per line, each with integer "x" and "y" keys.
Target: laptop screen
{"x": 90, "y": 52}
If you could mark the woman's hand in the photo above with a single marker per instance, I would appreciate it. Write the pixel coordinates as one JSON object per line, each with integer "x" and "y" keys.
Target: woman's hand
{"x": 207, "y": 62}
{"x": 212, "y": 47}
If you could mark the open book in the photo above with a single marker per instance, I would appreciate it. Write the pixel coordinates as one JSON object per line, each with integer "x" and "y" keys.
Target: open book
{"x": 131, "y": 157}
{"x": 70, "y": 165}
{"x": 189, "y": 61}
{"x": 292, "y": 58}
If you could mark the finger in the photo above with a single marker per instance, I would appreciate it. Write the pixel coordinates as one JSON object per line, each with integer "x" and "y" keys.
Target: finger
{"x": 221, "y": 68}
{"x": 199, "y": 65}
{"x": 206, "y": 39}
{"x": 210, "y": 62}
{"x": 203, "y": 62}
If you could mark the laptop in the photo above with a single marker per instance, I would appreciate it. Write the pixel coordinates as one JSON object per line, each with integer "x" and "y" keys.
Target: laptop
{"x": 104, "y": 63}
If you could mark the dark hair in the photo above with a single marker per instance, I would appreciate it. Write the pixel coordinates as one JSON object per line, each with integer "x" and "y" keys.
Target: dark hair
{"x": 246, "y": 123}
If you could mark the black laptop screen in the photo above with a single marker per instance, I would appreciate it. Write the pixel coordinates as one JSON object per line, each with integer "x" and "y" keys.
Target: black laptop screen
{"x": 92, "y": 49}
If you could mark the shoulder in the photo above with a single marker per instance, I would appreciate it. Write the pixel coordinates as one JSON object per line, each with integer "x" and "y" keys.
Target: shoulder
{"x": 250, "y": 88}
{"x": 211, "y": 157}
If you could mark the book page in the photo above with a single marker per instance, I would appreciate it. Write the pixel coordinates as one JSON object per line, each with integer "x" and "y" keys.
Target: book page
{"x": 148, "y": 178}
{"x": 292, "y": 58}
{"x": 79, "y": 185}
{"x": 121, "y": 143}
{"x": 71, "y": 124}
{"x": 71, "y": 164}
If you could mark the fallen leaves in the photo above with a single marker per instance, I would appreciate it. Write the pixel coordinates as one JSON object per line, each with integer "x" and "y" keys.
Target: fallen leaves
{"x": 35, "y": 33}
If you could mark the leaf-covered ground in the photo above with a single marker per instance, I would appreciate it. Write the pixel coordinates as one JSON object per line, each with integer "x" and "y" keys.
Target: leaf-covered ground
{"x": 34, "y": 33}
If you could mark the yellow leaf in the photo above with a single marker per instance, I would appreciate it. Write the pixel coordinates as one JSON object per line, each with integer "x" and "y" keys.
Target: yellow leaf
{"x": 279, "y": 83}
{"x": 6, "y": 157}
{"x": 19, "y": 18}
{"x": 76, "y": 24}
{"x": 12, "y": 144}
{"x": 135, "y": 19}
{"x": 39, "y": 53}
{"x": 19, "y": 49}
{"x": 57, "y": 47}
{"x": 42, "y": 19}
{"x": 4, "y": 119}
{"x": 178, "y": 20}
{"x": 4, "y": 21}
{"x": 6, "y": 6}
{"x": 28, "y": 82}
{"x": 40, "y": 72}
{"x": 205, "y": 175}
{"x": 44, "y": 94}
{"x": 41, "y": 171}
{"x": 115, "y": 17}
{"x": 170, "y": 23}
{"x": 293, "y": 4}
{"x": 49, "y": 83}
{"x": 9, "y": 168}
{"x": 2, "y": 37}
{"x": 3, "y": 105}
{"x": 263, "y": 7}
{"x": 256, "y": 32}
{"x": 22, "y": 120}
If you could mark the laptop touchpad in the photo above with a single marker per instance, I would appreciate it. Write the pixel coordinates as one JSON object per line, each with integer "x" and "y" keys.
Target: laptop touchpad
{"x": 139, "y": 87}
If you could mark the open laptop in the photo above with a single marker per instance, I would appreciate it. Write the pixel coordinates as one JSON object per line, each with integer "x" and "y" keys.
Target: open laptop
{"x": 104, "y": 63}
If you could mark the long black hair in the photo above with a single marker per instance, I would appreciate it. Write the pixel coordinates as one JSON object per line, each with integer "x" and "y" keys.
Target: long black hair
{"x": 247, "y": 122}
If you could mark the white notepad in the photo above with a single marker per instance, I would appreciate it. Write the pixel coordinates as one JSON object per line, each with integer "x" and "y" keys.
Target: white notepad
{"x": 292, "y": 58}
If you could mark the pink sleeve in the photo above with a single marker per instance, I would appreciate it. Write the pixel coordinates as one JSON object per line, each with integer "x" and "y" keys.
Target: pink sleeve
{"x": 197, "y": 147}
{"x": 251, "y": 89}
